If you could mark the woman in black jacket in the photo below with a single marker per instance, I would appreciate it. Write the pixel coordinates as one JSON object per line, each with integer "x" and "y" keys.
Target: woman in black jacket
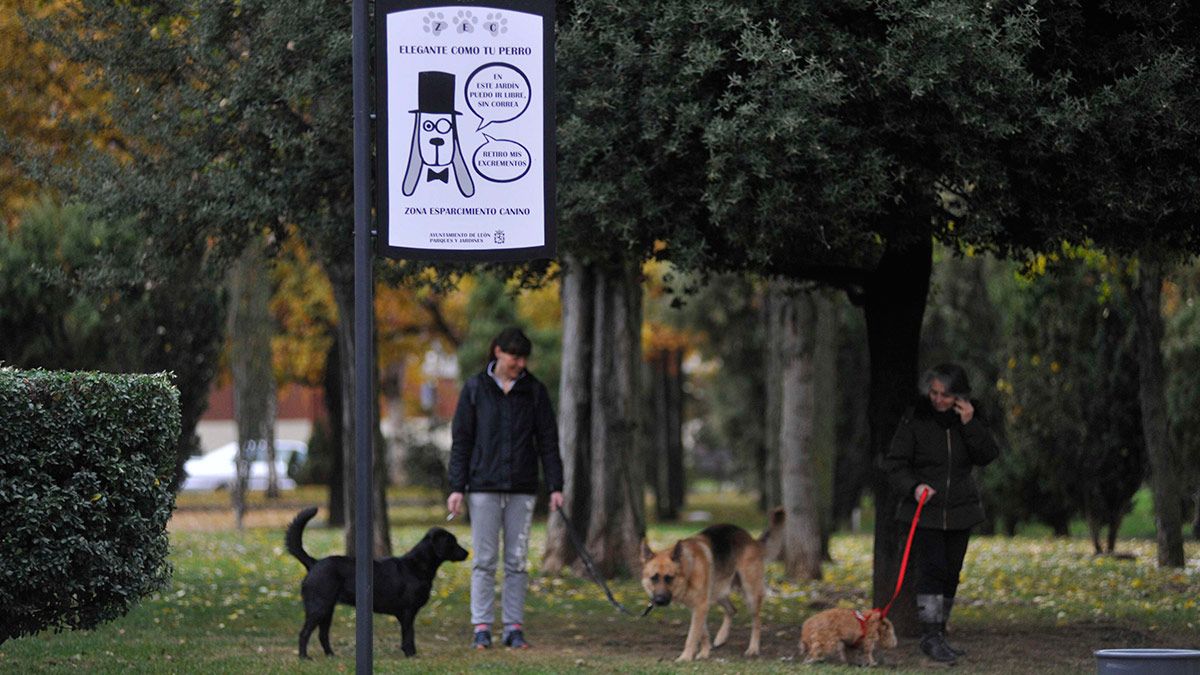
{"x": 504, "y": 427}
{"x": 937, "y": 444}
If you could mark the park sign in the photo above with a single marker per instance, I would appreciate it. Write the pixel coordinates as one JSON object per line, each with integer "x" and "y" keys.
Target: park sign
{"x": 465, "y": 129}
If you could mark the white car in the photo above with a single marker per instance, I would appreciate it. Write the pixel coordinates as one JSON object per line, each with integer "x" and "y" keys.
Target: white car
{"x": 215, "y": 470}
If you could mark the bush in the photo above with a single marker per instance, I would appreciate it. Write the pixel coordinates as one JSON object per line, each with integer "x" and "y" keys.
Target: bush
{"x": 86, "y": 461}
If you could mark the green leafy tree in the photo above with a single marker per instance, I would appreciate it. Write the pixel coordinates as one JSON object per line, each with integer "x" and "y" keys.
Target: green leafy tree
{"x": 236, "y": 116}
{"x": 1052, "y": 357}
{"x": 1113, "y": 162}
{"x": 494, "y": 306}
{"x": 1181, "y": 350}
{"x": 51, "y": 107}
{"x": 75, "y": 294}
{"x": 725, "y": 313}
{"x": 822, "y": 142}
{"x": 837, "y": 139}
{"x": 1074, "y": 423}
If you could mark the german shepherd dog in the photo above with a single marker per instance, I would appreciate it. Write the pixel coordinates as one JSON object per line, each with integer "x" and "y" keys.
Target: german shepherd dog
{"x": 701, "y": 571}
{"x": 402, "y": 585}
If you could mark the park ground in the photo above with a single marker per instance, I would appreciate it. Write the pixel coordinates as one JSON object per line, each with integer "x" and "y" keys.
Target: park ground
{"x": 1030, "y": 604}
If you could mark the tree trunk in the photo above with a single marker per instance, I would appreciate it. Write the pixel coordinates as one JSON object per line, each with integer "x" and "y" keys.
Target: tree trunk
{"x": 665, "y": 465}
{"x": 341, "y": 278}
{"x": 825, "y": 409}
{"x": 656, "y": 420}
{"x": 250, "y": 329}
{"x": 1196, "y": 515}
{"x": 604, "y": 483}
{"x": 616, "y": 525}
{"x": 676, "y": 479}
{"x": 333, "y": 409}
{"x": 269, "y": 441}
{"x": 853, "y": 470}
{"x": 392, "y": 386}
{"x": 802, "y": 530}
{"x": 1164, "y": 469}
{"x": 770, "y": 491}
{"x": 895, "y": 304}
{"x": 574, "y": 413}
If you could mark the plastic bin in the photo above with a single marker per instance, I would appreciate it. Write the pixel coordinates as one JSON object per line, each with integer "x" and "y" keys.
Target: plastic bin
{"x": 1148, "y": 661}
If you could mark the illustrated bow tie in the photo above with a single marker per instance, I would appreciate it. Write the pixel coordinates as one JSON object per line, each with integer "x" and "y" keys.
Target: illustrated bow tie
{"x": 443, "y": 175}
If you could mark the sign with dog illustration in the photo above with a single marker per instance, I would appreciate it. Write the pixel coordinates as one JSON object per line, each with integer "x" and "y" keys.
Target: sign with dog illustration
{"x": 465, "y": 130}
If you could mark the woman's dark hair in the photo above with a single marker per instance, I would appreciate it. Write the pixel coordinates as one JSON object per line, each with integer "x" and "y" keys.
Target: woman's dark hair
{"x": 510, "y": 341}
{"x": 951, "y": 375}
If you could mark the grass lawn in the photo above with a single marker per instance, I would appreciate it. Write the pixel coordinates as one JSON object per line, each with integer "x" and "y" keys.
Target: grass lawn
{"x": 1028, "y": 604}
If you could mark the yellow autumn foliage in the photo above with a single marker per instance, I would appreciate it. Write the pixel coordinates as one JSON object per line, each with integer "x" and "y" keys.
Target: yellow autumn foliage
{"x": 44, "y": 97}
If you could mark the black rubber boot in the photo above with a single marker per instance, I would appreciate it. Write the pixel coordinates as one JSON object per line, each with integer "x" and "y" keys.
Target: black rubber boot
{"x": 930, "y": 612}
{"x": 933, "y": 644}
{"x": 947, "y": 606}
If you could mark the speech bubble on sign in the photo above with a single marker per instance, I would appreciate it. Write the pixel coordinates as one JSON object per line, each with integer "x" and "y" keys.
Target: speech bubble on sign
{"x": 497, "y": 92}
{"x": 501, "y": 160}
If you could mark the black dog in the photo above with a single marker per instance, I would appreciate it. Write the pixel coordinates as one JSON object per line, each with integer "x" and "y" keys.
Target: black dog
{"x": 402, "y": 585}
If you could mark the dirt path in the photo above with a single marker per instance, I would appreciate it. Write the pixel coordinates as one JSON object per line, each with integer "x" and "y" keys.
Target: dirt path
{"x": 990, "y": 649}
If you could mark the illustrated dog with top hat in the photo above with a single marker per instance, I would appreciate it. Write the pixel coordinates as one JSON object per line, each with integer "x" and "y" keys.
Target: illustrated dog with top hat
{"x": 435, "y": 152}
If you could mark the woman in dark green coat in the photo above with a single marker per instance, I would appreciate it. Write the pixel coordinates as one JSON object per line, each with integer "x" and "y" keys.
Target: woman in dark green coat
{"x": 939, "y": 441}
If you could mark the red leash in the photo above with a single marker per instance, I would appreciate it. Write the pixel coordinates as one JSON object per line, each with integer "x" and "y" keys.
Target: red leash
{"x": 907, "y": 549}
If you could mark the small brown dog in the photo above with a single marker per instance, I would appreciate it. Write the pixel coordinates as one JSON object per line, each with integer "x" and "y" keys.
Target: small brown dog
{"x": 700, "y": 572}
{"x": 835, "y": 630}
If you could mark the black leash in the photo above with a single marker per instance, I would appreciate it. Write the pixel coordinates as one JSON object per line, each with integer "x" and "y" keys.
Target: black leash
{"x": 591, "y": 568}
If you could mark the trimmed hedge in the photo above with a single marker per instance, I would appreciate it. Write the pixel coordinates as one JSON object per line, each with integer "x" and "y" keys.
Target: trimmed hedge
{"x": 86, "y": 461}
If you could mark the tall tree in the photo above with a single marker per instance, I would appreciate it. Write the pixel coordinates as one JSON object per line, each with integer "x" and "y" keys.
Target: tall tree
{"x": 1068, "y": 373}
{"x": 250, "y": 331}
{"x": 669, "y": 335}
{"x": 609, "y": 222}
{"x": 663, "y": 427}
{"x": 574, "y": 418}
{"x": 812, "y": 142}
{"x": 51, "y": 107}
{"x": 235, "y": 115}
{"x": 798, "y": 465}
{"x": 852, "y": 471}
{"x": 602, "y": 318}
{"x": 1115, "y": 160}
{"x": 75, "y": 294}
{"x": 1182, "y": 354}
{"x": 1164, "y": 462}
{"x": 826, "y": 446}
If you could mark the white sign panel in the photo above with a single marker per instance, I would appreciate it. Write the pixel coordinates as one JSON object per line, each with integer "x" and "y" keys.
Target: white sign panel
{"x": 466, "y": 130}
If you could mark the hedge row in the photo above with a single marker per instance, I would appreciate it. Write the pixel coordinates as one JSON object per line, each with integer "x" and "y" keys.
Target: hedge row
{"x": 85, "y": 470}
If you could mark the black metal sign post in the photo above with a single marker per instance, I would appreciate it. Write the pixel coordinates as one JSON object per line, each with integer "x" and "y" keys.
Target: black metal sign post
{"x": 364, "y": 318}
{"x": 465, "y": 148}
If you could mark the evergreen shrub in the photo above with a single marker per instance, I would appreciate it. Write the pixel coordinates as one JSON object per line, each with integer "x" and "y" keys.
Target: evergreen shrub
{"x": 86, "y": 461}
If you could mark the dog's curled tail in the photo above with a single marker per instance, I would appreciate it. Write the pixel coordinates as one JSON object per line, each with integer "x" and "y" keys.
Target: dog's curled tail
{"x": 295, "y": 533}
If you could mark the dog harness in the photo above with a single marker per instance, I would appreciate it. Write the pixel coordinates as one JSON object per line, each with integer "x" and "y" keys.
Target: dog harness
{"x": 862, "y": 624}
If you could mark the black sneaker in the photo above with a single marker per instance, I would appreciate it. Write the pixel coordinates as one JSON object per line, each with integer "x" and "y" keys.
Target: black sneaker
{"x": 515, "y": 639}
{"x": 483, "y": 639}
